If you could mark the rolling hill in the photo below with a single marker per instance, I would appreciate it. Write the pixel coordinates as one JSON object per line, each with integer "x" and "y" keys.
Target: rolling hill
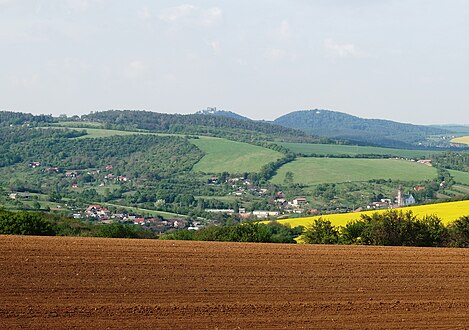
{"x": 340, "y": 125}
{"x": 199, "y": 124}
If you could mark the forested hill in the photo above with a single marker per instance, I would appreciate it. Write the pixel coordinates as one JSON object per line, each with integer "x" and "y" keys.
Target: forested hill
{"x": 243, "y": 130}
{"x": 8, "y": 118}
{"x": 339, "y": 125}
{"x": 221, "y": 113}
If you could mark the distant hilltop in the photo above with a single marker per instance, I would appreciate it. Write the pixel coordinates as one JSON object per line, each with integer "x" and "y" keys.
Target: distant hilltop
{"x": 222, "y": 113}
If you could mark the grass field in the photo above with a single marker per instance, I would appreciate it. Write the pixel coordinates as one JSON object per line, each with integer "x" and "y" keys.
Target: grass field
{"x": 220, "y": 154}
{"x": 462, "y": 139}
{"x": 337, "y": 150}
{"x": 448, "y": 212}
{"x": 74, "y": 124}
{"x": 311, "y": 171}
{"x": 139, "y": 210}
{"x": 460, "y": 177}
{"x": 102, "y": 133}
{"x": 233, "y": 157}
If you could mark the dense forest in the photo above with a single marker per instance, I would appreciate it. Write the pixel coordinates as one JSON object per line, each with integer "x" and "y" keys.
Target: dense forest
{"x": 139, "y": 155}
{"x": 368, "y": 131}
{"x": 203, "y": 124}
{"x": 8, "y": 118}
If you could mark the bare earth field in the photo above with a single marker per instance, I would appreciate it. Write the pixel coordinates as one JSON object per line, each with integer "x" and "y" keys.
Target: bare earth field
{"x": 111, "y": 283}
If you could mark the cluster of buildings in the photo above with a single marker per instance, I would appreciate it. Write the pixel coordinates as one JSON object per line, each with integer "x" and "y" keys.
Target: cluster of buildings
{"x": 400, "y": 201}
{"x": 76, "y": 174}
{"x": 105, "y": 216}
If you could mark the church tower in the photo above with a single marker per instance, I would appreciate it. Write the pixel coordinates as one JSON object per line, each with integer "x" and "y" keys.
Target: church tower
{"x": 400, "y": 197}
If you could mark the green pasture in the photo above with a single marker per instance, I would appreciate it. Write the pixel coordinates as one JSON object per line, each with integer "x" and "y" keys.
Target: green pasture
{"x": 460, "y": 177}
{"x": 349, "y": 150}
{"x": 74, "y": 124}
{"x": 139, "y": 210}
{"x": 312, "y": 171}
{"x": 101, "y": 133}
{"x": 223, "y": 155}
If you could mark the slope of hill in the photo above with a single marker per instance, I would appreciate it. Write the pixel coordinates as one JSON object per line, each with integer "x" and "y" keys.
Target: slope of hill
{"x": 241, "y": 158}
{"x": 371, "y": 131}
{"x": 221, "y": 113}
{"x": 199, "y": 124}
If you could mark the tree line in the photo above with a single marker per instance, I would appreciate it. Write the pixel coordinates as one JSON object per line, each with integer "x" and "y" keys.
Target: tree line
{"x": 393, "y": 228}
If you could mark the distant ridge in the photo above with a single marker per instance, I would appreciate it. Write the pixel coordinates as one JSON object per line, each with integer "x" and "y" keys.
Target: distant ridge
{"x": 339, "y": 125}
{"x": 221, "y": 113}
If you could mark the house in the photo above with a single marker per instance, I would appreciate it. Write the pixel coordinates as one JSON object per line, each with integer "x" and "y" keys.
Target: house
{"x": 227, "y": 211}
{"x": 299, "y": 201}
{"x": 213, "y": 180}
{"x": 419, "y": 188}
{"x": 409, "y": 200}
{"x": 71, "y": 174}
{"x": 139, "y": 221}
{"x": 53, "y": 169}
{"x": 265, "y": 214}
{"x": 75, "y": 185}
{"x": 404, "y": 199}
{"x": 427, "y": 162}
{"x": 109, "y": 167}
{"x": 20, "y": 195}
{"x": 378, "y": 205}
{"x": 96, "y": 211}
{"x": 280, "y": 201}
{"x": 122, "y": 178}
{"x": 34, "y": 164}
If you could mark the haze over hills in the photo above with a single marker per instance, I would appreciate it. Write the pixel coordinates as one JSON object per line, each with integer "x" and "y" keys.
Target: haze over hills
{"x": 310, "y": 126}
{"x": 340, "y": 125}
{"x": 222, "y": 125}
{"x": 221, "y": 113}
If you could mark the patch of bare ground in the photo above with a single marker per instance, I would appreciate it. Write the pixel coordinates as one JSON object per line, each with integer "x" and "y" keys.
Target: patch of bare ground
{"x": 54, "y": 282}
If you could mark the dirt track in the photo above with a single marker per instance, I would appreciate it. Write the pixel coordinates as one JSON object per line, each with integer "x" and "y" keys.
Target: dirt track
{"x": 100, "y": 283}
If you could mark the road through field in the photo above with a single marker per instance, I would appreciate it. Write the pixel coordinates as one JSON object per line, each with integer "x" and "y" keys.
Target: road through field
{"x": 112, "y": 283}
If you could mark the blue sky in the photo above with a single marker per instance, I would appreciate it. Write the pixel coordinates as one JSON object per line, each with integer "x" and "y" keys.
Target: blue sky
{"x": 399, "y": 60}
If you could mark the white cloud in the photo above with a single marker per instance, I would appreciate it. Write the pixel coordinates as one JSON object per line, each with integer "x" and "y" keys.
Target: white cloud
{"x": 26, "y": 81}
{"x": 78, "y": 5}
{"x": 4, "y": 3}
{"x": 215, "y": 46}
{"x": 343, "y": 50}
{"x": 211, "y": 16}
{"x": 192, "y": 15}
{"x": 284, "y": 30}
{"x": 135, "y": 69}
{"x": 145, "y": 13}
{"x": 173, "y": 14}
{"x": 275, "y": 54}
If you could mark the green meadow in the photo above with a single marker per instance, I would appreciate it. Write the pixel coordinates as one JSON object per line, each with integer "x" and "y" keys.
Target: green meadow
{"x": 221, "y": 155}
{"x": 234, "y": 157}
{"x": 311, "y": 171}
{"x": 349, "y": 150}
{"x": 460, "y": 177}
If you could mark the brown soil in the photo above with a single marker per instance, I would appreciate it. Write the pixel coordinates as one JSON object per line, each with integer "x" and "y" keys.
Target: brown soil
{"x": 110, "y": 283}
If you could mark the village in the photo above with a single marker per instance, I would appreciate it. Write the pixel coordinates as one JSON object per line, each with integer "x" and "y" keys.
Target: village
{"x": 240, "y": 188}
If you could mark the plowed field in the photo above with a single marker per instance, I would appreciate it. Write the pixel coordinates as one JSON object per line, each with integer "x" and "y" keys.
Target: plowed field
{"x": 110, "y": 283}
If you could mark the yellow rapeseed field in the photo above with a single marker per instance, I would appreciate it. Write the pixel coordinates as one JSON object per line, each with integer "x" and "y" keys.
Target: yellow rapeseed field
{"x": 448, "y": 212}
{"x": 462, "y": 139}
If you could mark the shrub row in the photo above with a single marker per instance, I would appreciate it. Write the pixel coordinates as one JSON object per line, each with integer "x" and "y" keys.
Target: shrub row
{"x": 394, "y": 228}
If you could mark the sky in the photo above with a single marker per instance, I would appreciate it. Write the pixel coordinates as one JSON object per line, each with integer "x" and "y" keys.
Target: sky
{"x": 403, "y": 60}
